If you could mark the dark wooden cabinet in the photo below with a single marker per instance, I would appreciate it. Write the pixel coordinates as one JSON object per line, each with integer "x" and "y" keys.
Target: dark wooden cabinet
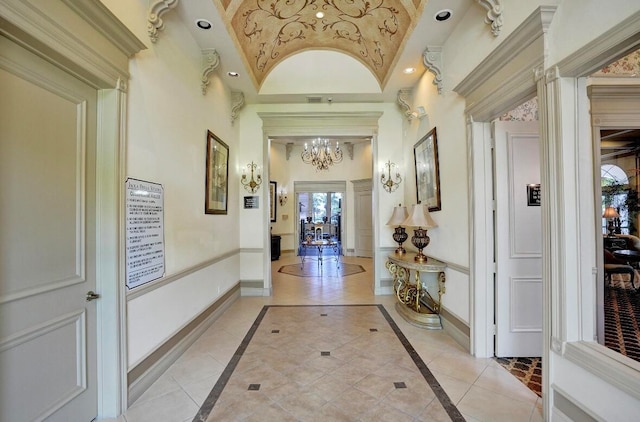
{"x": 275, "y": 247}
{"x": 615, "y": 243}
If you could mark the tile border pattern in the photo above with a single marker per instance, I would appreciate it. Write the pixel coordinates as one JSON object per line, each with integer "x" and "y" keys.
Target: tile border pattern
{"x": 215, "y": 393}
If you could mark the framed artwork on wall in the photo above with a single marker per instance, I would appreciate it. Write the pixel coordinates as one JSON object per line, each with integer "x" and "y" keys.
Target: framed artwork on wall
{"x": 425, "y": 153}
{"x": 273, "y": 188}
{"x": 216, "y": 176}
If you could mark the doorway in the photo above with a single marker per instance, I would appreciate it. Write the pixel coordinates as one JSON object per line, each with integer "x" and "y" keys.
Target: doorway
{"x": 320, "y": 211}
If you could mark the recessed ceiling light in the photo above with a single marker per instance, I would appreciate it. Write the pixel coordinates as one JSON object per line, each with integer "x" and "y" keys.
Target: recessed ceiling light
{"x": 203, "y": 24}
{"x": 233, "y": 74}
{"x": 443, "y": 15}
{"x": 409, "y": 70}
{"x": 319, "y": 15}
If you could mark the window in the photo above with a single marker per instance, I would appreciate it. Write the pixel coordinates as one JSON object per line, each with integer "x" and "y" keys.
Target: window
{"x": 615, "y": 192}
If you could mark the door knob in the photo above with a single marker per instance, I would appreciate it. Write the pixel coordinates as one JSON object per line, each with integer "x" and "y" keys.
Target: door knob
{"x": 91, "y": 295}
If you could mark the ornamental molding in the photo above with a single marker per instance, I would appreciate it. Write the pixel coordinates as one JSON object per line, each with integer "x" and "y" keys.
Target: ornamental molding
{"x": 210, "y": 62}
{"x": 432, "y": 59}
{"x": 289, "y": 148}
{"x": 403, "y": 97}
{"x": 494, "y": 15}
{"x": 237, "y": 102}
{"x": 155, "y": 22}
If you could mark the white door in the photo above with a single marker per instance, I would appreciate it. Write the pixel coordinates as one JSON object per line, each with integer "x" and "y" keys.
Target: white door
{"x": 47, "y": 241}
{"x": 363, "y": 219}
{"x": 518, "y": 240}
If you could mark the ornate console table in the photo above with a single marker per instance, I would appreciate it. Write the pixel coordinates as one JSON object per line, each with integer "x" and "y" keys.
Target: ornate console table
{"x": 415, "y": 304}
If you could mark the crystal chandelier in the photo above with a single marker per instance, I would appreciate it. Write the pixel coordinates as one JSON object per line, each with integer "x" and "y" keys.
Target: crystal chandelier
{"x": 320, "y": 155}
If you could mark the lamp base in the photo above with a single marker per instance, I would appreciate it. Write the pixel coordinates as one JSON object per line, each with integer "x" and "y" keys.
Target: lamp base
{"x": 420, "y": 240}
{"x": 400, "y": 236}
{"x": 420, "y": 257}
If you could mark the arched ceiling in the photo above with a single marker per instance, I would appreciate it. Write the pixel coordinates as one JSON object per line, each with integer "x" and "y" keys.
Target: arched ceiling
{"x": 269, "y": 31}
{"x": 280, "y": 51}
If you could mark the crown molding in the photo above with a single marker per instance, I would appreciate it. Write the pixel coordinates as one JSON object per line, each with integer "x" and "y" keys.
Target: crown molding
{"x": 210, "y": 62}
{"x": 155, "y": 22}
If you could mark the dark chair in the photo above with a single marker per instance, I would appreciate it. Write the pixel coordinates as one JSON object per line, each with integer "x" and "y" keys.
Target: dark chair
{"x": 613, "y": 265}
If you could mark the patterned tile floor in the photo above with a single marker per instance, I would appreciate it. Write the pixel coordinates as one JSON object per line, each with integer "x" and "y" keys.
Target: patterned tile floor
{"x": 481, "y": 389}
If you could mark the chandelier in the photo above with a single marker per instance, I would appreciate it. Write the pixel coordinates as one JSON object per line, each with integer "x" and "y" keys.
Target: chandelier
{"x": 320, "y": 155}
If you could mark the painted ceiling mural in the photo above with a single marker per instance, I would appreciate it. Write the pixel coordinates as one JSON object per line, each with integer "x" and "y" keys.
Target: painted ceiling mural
{"x": 371, "y": 31}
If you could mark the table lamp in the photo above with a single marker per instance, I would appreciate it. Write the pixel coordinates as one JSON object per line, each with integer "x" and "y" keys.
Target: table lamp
{"x": 421, "y": 221}
{"x": 397, "y": 218}
{"x": 610, "y": 214}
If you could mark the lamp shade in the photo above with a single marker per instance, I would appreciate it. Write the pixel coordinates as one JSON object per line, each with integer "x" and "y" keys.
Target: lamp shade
{"x": 419, "y": 217}
{"x": 399, "y": 215}
{"x": 610, "y": 212}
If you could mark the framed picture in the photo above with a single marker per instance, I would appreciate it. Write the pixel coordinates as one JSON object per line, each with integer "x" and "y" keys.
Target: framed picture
{"x": 273, "y": 188}
{"x": 425, "y": 153}
{"x": 217, "y": 176}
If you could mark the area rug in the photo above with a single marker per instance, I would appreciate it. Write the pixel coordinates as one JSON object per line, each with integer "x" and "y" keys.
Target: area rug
{"x": 329, "y": 269}
{"x": 527, "y": 370}
{"x": 326, "y": 363}
{"x": 622, "y": 319}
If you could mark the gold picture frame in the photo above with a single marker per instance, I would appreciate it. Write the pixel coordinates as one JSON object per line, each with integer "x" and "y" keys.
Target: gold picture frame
{"x": 425, "y": 153}
{"x": 217, "y": 176}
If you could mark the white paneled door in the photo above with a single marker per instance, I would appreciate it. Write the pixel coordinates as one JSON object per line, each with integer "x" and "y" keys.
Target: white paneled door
{"x": 363, "y": 217}
{"x": 518, "y": 239}
{"x": 47, "y": 241}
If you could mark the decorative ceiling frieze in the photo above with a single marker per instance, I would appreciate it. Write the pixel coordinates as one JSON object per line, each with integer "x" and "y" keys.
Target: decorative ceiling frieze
{"x": 210, "y": 62}
{"x": 432, "y": 59}
{"x": 268, "y": 32}
{"x": 154, "y": 21}
{"x": 494, "y": 15}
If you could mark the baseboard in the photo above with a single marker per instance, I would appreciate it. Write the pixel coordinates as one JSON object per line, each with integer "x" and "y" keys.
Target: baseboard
{"x": 253, "y": 288}
{"x": 456, "y": 328}
{"x": 144, "y": 374}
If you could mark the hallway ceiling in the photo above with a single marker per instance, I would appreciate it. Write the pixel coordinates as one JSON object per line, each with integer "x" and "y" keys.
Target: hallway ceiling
{"x": 283, "y": 52}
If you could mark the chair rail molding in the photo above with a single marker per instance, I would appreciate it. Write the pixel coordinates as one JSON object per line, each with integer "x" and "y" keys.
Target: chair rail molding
{"x": 494, "y": 15}
{"x": 432, "y": 59}
{"x": 154, "y": 21}
{"x": 210, "y": 62}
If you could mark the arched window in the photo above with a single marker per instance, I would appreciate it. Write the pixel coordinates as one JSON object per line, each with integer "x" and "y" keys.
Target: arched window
{"x": 615, "y": 184}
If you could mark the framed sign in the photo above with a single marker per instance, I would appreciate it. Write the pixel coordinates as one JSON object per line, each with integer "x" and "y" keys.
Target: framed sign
{"x": 217, "y": 176}
{"x": 425, "y": 153}
{"x": 144, "y": 227}
{"x": 533, "y": 195}
{"x": 273, "y": 188}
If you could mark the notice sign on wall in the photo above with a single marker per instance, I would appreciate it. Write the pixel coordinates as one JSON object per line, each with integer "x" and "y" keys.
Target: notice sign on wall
{"x": 144, "y": 228}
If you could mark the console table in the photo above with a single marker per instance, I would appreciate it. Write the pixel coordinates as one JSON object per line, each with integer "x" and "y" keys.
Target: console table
{"x": 415, "y": 303}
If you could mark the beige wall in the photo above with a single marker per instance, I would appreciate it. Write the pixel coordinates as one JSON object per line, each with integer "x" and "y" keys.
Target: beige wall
{"x": 168, "y": 121}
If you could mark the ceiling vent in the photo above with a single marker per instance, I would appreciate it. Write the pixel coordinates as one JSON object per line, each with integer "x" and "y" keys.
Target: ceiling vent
{"x": 314, "y": 100}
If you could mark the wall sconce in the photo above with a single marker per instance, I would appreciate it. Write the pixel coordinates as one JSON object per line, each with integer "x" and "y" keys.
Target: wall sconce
{"x": 388, "y": 183}
{"x": 282, "y": 198}
{"x": 253, "y": 184}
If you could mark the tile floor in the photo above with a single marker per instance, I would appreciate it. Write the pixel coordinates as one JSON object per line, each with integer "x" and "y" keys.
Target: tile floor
{"x": 480, "y": 388}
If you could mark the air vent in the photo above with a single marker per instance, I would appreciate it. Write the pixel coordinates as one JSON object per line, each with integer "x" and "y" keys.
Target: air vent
{"x": 314, "y": 100}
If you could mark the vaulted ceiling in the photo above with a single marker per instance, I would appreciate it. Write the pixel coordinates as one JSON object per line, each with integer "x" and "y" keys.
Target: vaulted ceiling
{"x": 340, "y": 50}
{"x": 372, "y": 32}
